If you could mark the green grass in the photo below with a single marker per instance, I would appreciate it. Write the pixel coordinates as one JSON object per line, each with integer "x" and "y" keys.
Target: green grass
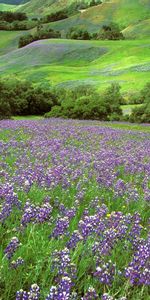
{"x": 127, "y": 126}
{"x": 7, "y": 7}
{"x": 68, "y": 63}
{"x": 123, "y": 12}
{"x": 46, "y": 6}
{"x": 140, "y": 30}
{"x": 27, "y": 117}
{"x": 127, "y": 109}
{"x": 21, "y": 155}
{"x": 9, "y": 40}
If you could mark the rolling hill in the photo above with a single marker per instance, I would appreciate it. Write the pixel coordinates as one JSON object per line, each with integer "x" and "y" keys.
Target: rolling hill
{"x": 47, "y": 6}
{"x": 124, "y": 12}
{"x": 68, "y": 62}
{"x": 9, "y": 40}
{"x": 13, "y": 2}
{"x": 7, "y": 7}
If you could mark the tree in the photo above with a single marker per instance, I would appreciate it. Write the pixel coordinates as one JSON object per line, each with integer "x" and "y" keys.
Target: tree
{"x": 141, "y": 114}
{"x": 110, "y": 32}
{"x": 40, "y": 34}
{"x": 86, "y": 103}
{"x": 78, "y": 34}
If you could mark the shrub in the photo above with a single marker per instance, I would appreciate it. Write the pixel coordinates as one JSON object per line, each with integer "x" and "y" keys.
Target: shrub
{"x": 110, "y": 32}
{"x": 85, "y": 103}
{"x": 142, "y": 114}
{"x": 22, "y": 98}
{"x": 39, "y": 35}
{"x": 135, "y": 98}
{"x": 9, "y": 17}
{"x": 56, "y": 111}
{"x": 59, "y": 15}
{"x": 78, "y": 34}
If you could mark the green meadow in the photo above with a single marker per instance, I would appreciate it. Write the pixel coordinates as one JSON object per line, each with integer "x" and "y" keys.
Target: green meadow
{"x": 132, "y": 17}
{"x": 69, "y": 62}
{"x": 9, "y": 41}
{"x": 7, "y": 7}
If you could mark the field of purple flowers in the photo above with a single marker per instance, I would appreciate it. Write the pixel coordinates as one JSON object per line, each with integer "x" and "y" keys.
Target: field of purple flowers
{"x": 74, "y": 211}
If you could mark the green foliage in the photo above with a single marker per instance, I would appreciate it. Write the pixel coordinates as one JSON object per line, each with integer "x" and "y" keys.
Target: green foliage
{"x": 14, "y": 2}
{"x": 59, "y": 15}
{"x": 110, "y": 32}
{"x": 94, "y": 2}
{"x": 15, "y": 21}
{"x": 78, "y": 34}
{"x": 39, "y": 35}
{"x": 145, "y": 93}
{"x": 135, "y": 98}
{"x": 142, "y": 114}
{"x": 9, "y": 16}
{"x": 86, "y": 103}
{"x": 22, "y": 98}
{"x": 17, "y": 25}
{"x": 79, "y": 5}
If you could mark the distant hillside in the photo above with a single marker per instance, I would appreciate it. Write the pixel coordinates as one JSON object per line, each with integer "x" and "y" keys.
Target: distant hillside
{"x": 69, "y": 63}
{"x": 124, "y": 12}
{"x": 9, "y": 40}
{"x": 7, "y": 7}
{"x": 132, "y": 15}
{"x": 14, "y": 2}
{"x": 48, "y": 6}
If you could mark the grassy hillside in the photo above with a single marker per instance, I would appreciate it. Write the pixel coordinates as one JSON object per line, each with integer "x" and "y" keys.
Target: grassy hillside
{"x": 14, "y": 2}
{"x": 140, "y": 30}
{"x": 124, "y": 12}
{"x": 65, "y": 62}
{"x": 7, "y": 7}
{"x": 47, "y": 6}
{"x": 9, "y": 40}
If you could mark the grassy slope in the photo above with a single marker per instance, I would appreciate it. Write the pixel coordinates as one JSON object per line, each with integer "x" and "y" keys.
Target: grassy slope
{"x": 46, "y": 6}
{"x": 68, "y": 62}
{"x": 140, "y": 30}
{"x": 7, "y": 7}
{"x": 124, "y": 12}
{"x": 9, "y": 40}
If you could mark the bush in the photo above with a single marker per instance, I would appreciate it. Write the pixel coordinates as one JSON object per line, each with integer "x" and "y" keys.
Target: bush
{"x": 85, "y": 103}
{"x": 110, "y": 32}
{"x": 59, "y": 15}
{"x": 39, "y": 35}
{"x": 135, "y": 98}
{"x": 9, "y": 17}
{"x": 17, "y": 25}
{"x": 56, "y": 111}
{"x": 22, "y": 98}
{"x": 78, "y": 34}
{"x": 142, "y": 114}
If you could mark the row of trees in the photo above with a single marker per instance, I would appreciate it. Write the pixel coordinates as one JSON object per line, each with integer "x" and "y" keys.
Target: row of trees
{"x": 15, "y": 21}
{"x": 85, "y": 103}
{"x": 53, "y": 17}
{"x": 10, "y": 17}
{"x": 17, "y": 25}
{"x": 141, "y": 114}
{"x": 74, "y": 33}
{"x": 20, "y": 21}
{"x": 77, "y": 6}
{"x": 22, "y": 98}
{"x": 39, "y": 35}
{"x": 82, "y": 102}
{"x": 107, "y": 32}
